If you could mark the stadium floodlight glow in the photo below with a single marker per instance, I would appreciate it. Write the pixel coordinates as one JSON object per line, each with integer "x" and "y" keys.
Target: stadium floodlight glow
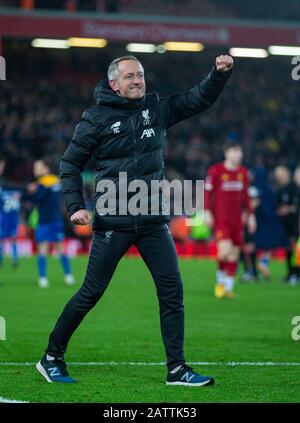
{"x": 49, "y": 43}
{"x": 284, "y": 50}
{"x": 87, "y": 42}
{"x": 259, "y": 53}
{"x": 160, "y": 48}
{"x": 183, "y": 46}
{"x": 141, "y": 48}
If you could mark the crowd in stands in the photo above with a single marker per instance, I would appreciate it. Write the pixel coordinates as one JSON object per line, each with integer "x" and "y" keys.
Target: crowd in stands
{"x": 265, "y": 9}
{"x": 46, "y": 93}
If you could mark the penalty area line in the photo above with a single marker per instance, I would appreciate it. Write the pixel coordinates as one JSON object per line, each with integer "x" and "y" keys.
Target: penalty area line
{"x": 6, "y": 400}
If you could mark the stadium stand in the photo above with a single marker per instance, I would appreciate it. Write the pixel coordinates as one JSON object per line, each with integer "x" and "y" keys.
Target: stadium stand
{"x": 206, "y": 8}
{"x": 40, "y": 114}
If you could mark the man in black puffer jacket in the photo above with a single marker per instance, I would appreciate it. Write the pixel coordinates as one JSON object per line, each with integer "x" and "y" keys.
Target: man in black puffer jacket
{"x": 125, "y": 134}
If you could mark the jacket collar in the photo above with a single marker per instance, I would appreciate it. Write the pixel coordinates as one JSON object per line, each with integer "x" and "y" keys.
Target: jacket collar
{"x": 105, "y": 96}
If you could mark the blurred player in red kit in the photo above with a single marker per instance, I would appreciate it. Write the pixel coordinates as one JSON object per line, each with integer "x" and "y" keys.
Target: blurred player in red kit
{"x": 227, "y": 210}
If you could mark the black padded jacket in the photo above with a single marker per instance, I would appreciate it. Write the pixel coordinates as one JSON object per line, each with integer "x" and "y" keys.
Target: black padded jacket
{"x": 128, "y": 136}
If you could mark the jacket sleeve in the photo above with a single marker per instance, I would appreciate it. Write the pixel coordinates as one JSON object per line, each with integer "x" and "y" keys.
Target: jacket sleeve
{"x": 81, "y": 148}
{"x": 182, "y": 106}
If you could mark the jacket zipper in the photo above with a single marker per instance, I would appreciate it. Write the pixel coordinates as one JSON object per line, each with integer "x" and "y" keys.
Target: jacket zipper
{"x": 135, "y": 165}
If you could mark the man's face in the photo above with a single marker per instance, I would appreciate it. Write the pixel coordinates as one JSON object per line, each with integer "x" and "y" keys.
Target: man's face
{"x": 40, "y": 169}
{"x": 234, "y": 156}
{"x": 282, "y": 175}
{"x": 130, "y": 82}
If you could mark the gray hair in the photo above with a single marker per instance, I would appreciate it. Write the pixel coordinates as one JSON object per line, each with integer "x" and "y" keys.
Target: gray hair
{"x": 113, "y": 69}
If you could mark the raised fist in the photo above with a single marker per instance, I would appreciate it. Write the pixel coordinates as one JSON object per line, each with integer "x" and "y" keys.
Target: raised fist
{"x": 224, "y": 63}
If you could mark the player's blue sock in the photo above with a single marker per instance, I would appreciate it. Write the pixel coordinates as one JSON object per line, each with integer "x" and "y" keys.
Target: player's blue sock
{"x": 65, "y": 262}
{"x": 14, "y": 252}
{"x": 42, "y": 265}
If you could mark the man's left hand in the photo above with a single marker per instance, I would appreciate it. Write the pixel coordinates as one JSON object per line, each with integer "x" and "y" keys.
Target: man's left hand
{"x": 224, "y": 63}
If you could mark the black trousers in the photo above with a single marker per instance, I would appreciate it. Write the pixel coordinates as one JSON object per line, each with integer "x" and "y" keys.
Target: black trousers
{"x": 157, "y": 249}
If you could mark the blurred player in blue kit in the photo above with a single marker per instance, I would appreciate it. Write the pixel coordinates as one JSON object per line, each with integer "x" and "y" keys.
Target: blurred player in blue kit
{"x": 46, "y": 194}
{"x": 10, "y": 203}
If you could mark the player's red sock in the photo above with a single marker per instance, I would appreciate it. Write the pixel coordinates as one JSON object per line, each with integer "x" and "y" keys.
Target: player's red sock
{"x": 230, "y": 268}
{"x": 221, "y": 265}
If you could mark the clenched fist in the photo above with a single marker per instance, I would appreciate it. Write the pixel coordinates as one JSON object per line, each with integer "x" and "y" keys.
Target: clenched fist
{"x": 224, "y": 63}
{"x": 81, "y": 217}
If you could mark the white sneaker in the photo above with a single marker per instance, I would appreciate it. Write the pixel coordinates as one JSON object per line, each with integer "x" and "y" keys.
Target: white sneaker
{"x": 69, "y": 279}
{"x": 43, "y": 282}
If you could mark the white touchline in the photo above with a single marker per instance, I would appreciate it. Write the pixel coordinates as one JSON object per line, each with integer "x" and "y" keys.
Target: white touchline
{"x": 193, "y": 363}
{"x": 12, "y": 401}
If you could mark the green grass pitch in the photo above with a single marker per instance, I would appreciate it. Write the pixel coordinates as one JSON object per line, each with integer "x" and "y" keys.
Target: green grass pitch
{"x": 124, "y": 328}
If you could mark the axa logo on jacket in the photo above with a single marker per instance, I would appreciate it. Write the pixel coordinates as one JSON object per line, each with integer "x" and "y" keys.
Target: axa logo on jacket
{"x": 148, "y": 133}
